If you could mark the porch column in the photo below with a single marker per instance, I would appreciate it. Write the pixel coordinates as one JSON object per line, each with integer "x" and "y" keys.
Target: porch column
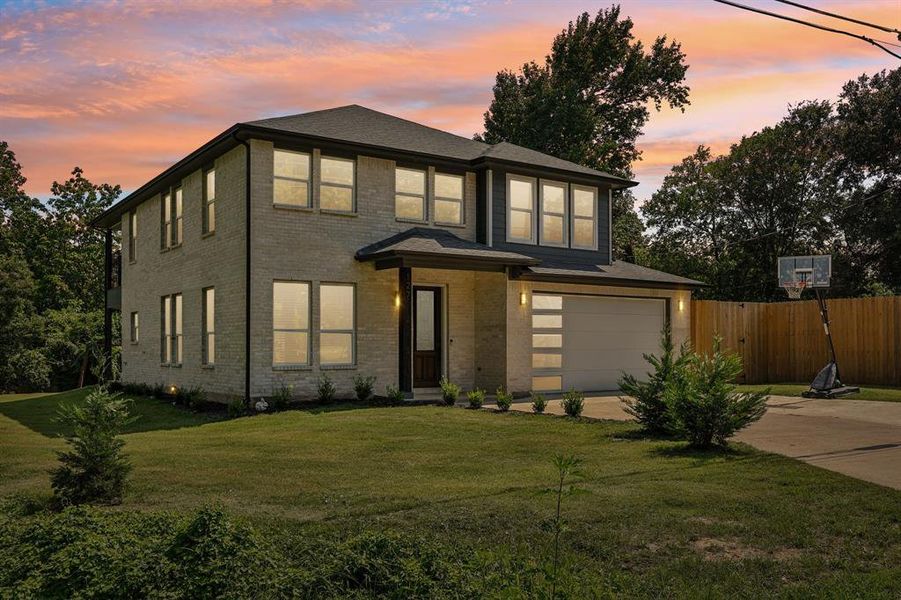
{"x": 405, "y": 330}
{"x": 107, "y": 312}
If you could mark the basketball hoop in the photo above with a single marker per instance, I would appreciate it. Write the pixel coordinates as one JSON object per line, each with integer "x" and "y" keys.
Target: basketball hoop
{"x": 795, "y": 289}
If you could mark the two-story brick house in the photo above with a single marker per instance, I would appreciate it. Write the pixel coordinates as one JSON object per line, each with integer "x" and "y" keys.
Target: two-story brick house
{"x": 347, "y": 241}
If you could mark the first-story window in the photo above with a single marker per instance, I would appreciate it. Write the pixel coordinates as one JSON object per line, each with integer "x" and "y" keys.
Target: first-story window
{"x": 208, "y": 334}
{"x": 171, "y": 334}
{"x": 409, "y": 194}
{"x": 290, "y": 323}
{"x": 584, "y": 217}
{"x": 209, "y": 201}
{"x": 135, "y": 328}
{"x": 553, "y": 214}
{"x": 336, "y": 324}
{"x": 521, "y": 201}
{"x": 448, "y": 199}
{"x": 291, "y": 178}
{"x": 336, "y": 184}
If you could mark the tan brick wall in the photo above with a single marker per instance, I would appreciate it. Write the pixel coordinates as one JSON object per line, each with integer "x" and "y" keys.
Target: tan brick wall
{"x": 519, "y": 324}
{"x": 216, "y": 261}
{"x": 490, "y": 321}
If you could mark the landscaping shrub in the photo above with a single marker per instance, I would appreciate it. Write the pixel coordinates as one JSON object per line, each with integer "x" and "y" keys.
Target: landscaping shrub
{"x": 539, "y": 402}
{"x": 476, "y": 398}
{"x": 325, "y": 389}
{"x": 705, "y": 406}
{"x": 393, "y": 395}
{"x": 504, "y": 399}
{"x": 26, "y": 371}
{"x": 363, "y": 386}
{"x": 573, "y": 402}
{"x": 193, "y": 397}
{"x": 236, "y": 408}
{"x": 648, "y": 402}
{"x": 450, "y": 392}
{"x": 282, "y": 396}
{"x": 93, "y": 469}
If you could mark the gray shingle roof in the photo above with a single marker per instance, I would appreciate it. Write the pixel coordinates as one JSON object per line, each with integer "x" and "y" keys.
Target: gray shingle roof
{"x": 424, "y": 241}
{"x": 618, "y": 271}
{"x": 360, "y": 125}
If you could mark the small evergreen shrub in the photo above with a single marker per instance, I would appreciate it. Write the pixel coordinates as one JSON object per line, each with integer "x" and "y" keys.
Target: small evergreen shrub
{"x": 647, "y": 399}
{"x": 504, "y": 399}
{"x": 93, "y": 469}
{"x": 450, "y": 392}
{"x": 158, "y": 391}
{"x": 705, "y": 406}
{"x": 573, "y": 402}
{"x": 394, "y": 395}
{"x": 476, "y": 398}
{"x": 236, "y": 408}
{"x": 539, "y": 402}
{"x": 193, "y": 397}
{"x": 282, "y": 396}
{"x": 363, "y": 387}
{"x": 325, "y": 389}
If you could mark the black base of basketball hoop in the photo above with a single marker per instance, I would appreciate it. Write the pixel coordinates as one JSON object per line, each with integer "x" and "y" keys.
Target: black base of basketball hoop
{"x": 827, "y": 384}
{"x": 796, "y": 274}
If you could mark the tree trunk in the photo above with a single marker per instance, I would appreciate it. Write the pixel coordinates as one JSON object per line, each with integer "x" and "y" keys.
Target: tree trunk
{"x": 84, "y": 370}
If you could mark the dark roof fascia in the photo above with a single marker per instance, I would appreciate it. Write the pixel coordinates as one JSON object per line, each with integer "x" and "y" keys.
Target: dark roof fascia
{"x": 436, "y": 257}
{"x": 195, "y": 160}
{"x": 488, "y": 162}
{"x": 608, "y": 281}
{"x": 459, "y": 263}
{"x": 288, "y": 138}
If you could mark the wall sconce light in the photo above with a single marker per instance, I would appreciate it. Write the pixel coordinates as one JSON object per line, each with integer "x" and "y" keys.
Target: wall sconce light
{"x": 681, "y": 304}
{"x": 523, "y": 299}
{"x": 396, "y": 299}
{"x": 171, "y": 390}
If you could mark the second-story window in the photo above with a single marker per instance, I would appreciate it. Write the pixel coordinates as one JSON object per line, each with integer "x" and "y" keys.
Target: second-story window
{"x": 291, "y": 178}
{"x": 521, "y": 200}
{"x": 209, "y": 201}
{"x": 135, "y": 328}
{"x": 448, "y": 199}
{"x": 132, "y": 235}
{"x": 178, "y": 221}
{"x": 336, "y": 186}
{"x": 584, "y": 217}
{"x": 166, "y": 229}
{"x": 553, "y": 214}
{"x": 409, "y": 194}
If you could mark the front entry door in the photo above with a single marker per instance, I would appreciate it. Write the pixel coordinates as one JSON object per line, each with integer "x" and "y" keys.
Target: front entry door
{"x": 426, "y": 336}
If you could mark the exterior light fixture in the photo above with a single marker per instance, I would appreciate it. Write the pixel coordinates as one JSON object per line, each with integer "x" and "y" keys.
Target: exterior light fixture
{"x": 523, "y": 299}
{"x": 681, "y": 304}
{"x": 171, "y": 390}
{"x": 396, "y": 299}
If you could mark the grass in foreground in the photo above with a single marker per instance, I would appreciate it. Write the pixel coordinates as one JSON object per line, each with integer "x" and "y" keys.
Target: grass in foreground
{"x": 882, "y": 394}
{"x": 656, "y": 519}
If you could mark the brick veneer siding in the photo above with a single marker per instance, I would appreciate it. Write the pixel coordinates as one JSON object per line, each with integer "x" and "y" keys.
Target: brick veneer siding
{"x": 215, "y": 260}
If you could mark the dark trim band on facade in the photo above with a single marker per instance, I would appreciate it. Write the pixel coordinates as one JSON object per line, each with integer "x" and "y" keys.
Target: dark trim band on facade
{"x": 247, "y": 280}
{"x": 605, "y": 281}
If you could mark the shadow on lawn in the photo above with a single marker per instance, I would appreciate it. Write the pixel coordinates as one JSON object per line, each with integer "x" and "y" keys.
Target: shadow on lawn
{"x": 38, "y": 413}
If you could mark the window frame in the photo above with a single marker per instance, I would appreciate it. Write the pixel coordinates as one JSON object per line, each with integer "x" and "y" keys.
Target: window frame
{"x": 573, "y": 217}
{"x": 178, "y": 216}
{"x": 308, "y": 330}
{"x": 424, "y": 197}
{"x": 205, "y": 332}
{"x": 132, "y": 235}
{"x": 352, "y": 331}
{"x": 564, "y": 215}
{"x": 461, "y": 200}
{"x": 309, "y": 180}
{"x": 532, "y": 240}
{"x": 209, "y": 204}
{"x": 134, "y": 327}
{"x": 166, "y": 220}
{"x": 171, "y": 330}
{"x": 352, "y": 186}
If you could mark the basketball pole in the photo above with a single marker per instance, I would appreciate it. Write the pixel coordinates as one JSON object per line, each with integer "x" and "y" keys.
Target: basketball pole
{"x": 824, "y": 314}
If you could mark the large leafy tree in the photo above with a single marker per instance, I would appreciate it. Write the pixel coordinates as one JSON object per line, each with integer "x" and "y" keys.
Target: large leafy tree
{"x": 590, "y": 100}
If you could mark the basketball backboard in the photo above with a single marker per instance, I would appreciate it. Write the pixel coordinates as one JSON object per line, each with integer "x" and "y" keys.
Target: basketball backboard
{"x": 814, "y": 271}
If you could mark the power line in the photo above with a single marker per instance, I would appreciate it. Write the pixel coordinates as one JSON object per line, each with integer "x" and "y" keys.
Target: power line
{"x": 809, "y": 24}
{"x": 849, "y": 19}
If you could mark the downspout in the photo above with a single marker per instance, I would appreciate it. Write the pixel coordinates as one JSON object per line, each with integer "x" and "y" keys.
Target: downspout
{"x": 246, "y": 269}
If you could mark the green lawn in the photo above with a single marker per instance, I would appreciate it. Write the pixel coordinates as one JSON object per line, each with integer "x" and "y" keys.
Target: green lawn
{"x": 883, "y": 394}
{"x": 656, "y": 520}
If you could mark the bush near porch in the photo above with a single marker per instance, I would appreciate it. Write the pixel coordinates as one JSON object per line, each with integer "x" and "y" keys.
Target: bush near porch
{"x": 657, "y": 520}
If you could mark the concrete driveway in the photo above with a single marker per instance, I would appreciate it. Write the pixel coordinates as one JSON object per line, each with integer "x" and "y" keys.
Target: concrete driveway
{"x": 859, "y": 438}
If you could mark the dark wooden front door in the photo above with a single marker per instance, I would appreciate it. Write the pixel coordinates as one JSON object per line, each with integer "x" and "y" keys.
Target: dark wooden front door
{"x": 426, "y": 336}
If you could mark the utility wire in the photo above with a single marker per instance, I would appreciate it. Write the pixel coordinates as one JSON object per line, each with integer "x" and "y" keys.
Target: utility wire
{"x": 843, "y": 18}
{"x": 869, "y": 40}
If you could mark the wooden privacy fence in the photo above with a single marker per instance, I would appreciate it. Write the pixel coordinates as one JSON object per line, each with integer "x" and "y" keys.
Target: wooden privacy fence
{"x": 785, "y": 341}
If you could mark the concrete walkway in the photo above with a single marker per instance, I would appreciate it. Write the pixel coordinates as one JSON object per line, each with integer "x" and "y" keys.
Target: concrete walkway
{"x": 859, "y": 438}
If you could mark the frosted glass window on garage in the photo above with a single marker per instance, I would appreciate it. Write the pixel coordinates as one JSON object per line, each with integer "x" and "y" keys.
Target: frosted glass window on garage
{"x": 547, "y": 383}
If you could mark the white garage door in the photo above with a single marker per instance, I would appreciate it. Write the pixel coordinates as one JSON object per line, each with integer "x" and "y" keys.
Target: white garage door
{"x": 587, "y": 342}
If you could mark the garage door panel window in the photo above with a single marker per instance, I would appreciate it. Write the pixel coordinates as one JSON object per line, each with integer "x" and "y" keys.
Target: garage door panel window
{"x": 547, "y": 321}
{"x": 547, "y": 342}
{"x": 543, "y": 360}
{"x": 547, "y": 383}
